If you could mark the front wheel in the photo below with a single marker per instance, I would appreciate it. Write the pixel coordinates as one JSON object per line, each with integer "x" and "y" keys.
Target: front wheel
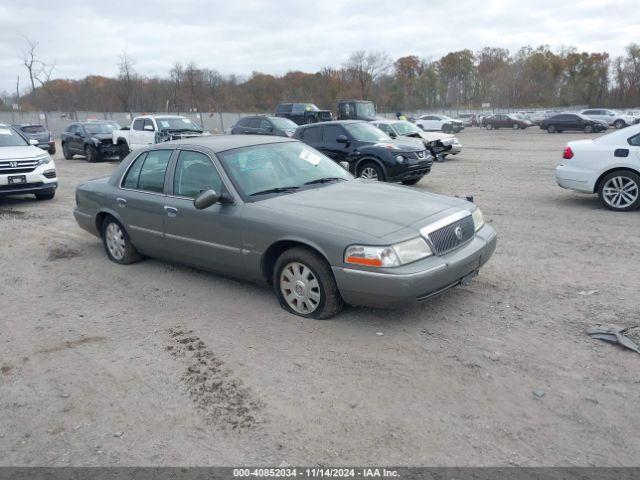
{"x": 123, "y": 151}
{"x": 489, "y": 126}
{"x": 619, "y": 124}
{"x": 304, "y": 285}
{"x": 371, "y": 171}
{"x": 620, "y": 191}
{"x": 117, "y": 243}
{"x": 66, "y": 153}
{"x": 413, "y": 181}
{"x": 551, "y": 129}
{"x": 52, "y": 150}
{"x": 516, "y": 126}
{"x": 588, "y": 129}
{"x": 91, "y": 153}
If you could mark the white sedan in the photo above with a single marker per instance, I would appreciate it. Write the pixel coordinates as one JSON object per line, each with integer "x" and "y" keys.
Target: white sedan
{"x": 608, "y": 165}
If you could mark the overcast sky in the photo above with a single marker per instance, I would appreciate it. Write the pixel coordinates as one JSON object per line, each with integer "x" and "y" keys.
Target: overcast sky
{"x": 275, "y": 36}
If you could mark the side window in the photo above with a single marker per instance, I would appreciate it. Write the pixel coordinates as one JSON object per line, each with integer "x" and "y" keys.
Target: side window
{"x": 590, "y": 112}
{"x": 264, "y": 124}
{"x": 312, "y": 134}
{"x": 71, "y": 129}
{"x": 330, "y": 133}
{"x": 131, "y": 180}
{"x": 298, "y": 108}
{"x": 138, "y": 123}
{"x": 148, "y": 123}
{"x": 79, "y": 129}
{"x": 634, "y": 141}
{"x": 285, "y": 108}
{"x": 384, "y": 127}
{"x": 153, "y": 171}
{"x": 254, "y": 123}
{"x": 195, "y": 173}
{"x": 243, "y": 122}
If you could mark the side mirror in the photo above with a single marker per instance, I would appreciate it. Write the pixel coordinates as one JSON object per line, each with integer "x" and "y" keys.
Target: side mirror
{"x": 393, "y": 135}
{"x": 148, "y": 128}
{"x": 342, "y": 139}
{"x": 345, "y": 165}
{"x": 206, "y": 199}
{"x": 33, "y": 141}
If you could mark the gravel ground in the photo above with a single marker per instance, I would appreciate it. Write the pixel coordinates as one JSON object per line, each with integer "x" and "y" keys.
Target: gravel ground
{"x": 157, "y": 364}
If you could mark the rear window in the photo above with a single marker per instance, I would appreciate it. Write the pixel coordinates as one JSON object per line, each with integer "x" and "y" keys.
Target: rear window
{"x": 148, "y": 172}
{"x": 284, "y": 108}
{"x": 33, "y": 129}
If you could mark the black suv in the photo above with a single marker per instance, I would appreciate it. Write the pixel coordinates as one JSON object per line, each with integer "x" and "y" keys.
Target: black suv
{"x": 572, "y": 121}
{"x": 39, "y": 133}
{"x": 263, "y": 125}
{"x": 94, "y": 140}
{"x": 370, "y": 152}
{"x": 303, "y": 113}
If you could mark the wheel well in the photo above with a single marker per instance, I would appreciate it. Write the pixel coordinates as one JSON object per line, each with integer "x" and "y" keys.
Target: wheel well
{"x": 618, "y": 169}
{"x": 121, "y": 141}
{"x": 100, "y": 218}
{"x": 365, "y": 160}
{"x": 270, "y": 256}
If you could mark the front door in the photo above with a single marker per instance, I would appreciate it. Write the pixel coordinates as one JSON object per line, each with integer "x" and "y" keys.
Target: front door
{"x": 141, "y": 199}
{"x": 330, "y": 146}
{"x": 208, "y": 238}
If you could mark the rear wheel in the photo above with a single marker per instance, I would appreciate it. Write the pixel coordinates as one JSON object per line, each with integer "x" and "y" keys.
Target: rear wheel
{"x": 46, "y": 195}
{"x": 588, "y": 129}
{"x": 52, "y": 150}
{"x": 447, "y": 128}
{"x": 516, "y": 126}
{"x": 66, "y": 153}
{"x": 619, "y": 124}
{"x": 620, "y": 191}
{"x": 304, "y": 284}
{"x": 371, "y": 171}
{"x": 489, "y": 126}
{"x": 117, "y": 243}
{"x": 91, "y": 153}
{"x": 311, "y": 119}
{"x": 551, "y": 129}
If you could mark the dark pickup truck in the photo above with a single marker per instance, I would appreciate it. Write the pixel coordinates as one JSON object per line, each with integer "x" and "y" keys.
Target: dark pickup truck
{"x": 303, "y": 113}
{"x": 356, "y": 110}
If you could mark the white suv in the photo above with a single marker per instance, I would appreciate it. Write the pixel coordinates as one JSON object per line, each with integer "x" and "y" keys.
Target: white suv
{"x": 439, "y": 123}
{"x": 25, "y": 168}
{"x": 618, "y": 120}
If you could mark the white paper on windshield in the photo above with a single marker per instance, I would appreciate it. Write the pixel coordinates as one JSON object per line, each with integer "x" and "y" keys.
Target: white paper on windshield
{"x": 164, "y": 123}
{"x": 186, "y": 120}
{"x": 309, "y": 156}
{"x": 4, "y": 131}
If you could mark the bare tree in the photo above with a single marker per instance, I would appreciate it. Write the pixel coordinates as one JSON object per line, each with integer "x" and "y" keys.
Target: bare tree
{"x": 31, "y": 63}
{"x": 365, "y": 68}
{"x": 127, "y": 80}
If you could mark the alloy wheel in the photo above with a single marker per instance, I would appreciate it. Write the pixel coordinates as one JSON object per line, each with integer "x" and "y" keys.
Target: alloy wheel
{"x": 369, "y": 173}
{"x": 620, "y": 192}
{"x": 300, "y": 288}
{"x": 115, "y": 241}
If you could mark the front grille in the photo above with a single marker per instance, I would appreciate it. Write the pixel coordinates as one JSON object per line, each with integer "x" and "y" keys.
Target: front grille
{"x": 452, "y": 236}
{"x": 107, "y": 141}
{"x": 9, "y": 167}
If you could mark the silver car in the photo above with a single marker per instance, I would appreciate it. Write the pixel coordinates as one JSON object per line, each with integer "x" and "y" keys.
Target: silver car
{"x": 276, "y": 211}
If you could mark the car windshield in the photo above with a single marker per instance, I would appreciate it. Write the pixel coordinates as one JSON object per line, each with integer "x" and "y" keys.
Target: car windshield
{"x": 176, "y": 123}
{"x": 97, "y": 128}
{"x": 9, "y": 138}
{"x": 283, "y": 123}
{"x": 365, "y": 132}
{"x": 405, "y": 128}
{"x": 366, "y": 110}
{"x": 278, "y": 168}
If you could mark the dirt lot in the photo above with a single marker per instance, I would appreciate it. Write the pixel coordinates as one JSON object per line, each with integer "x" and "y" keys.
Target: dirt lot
{"x": 157, "y": 364}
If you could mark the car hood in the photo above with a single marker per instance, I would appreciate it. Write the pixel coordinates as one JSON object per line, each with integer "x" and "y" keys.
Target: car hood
{"x": 405, "y": 144}
{"x": 374, "y": 208}
{"x": 432, "y": 136}
{"x": 21, "y": 152}
{"x": 102, "y": 136}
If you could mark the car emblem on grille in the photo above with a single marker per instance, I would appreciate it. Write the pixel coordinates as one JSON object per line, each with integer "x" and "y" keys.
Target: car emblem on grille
{"x": 458, "y": 232}
{"x": 420, "y": 154}
{"x": 13, "y": 164}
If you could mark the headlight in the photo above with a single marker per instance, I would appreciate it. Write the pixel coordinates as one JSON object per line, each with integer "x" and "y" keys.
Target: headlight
{"x": 478, "y": 219}
{"x": 96, "y": 140}
{"x": 400, "y": 159}
{"x": 455, "y": 140}
{"x": 391, "y": 256}
{"x": 44, "y": 160}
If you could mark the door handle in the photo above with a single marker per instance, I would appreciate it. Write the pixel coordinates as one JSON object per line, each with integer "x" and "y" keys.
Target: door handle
{"x": 121, "y": 201}
{"x": 170, "y": 211}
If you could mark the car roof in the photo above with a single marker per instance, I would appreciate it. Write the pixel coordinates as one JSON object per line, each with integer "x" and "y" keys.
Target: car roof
{"x": 332, "y": 122}
{"x": 221, "y": 143}
{"x": 19, "y": 125}
{"x": 385, "y": 121}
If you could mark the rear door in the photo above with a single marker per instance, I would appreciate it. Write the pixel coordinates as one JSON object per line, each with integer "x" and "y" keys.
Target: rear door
{"x": 209, "y": 238}
{"x": 141, "y": 199}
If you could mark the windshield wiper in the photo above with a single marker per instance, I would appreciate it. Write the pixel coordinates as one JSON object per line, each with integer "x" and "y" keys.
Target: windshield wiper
{"x": 275, "y": 190}
{"x": 325, "y": 180}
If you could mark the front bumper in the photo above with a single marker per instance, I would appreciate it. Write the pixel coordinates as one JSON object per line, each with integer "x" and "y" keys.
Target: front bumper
{"x": 37, "y": 182}
{"x": 109, "y": 150}
{"x": 573, "y": 178}
{"x": 416, "y": 282}
{"x": 456, "y": 148}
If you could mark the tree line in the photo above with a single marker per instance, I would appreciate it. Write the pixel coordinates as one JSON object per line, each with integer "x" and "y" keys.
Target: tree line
{"x": 530, "y": 77}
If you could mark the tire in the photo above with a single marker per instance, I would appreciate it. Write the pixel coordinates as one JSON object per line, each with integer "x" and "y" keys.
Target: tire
{"x": 66, "y": 153}
{"x": 117, "y": 243}
{"x": 447, "y": 129}
{"x": 489, "y": 126}
{"x": 413, "y": 181}
{"x": 588, "y": 129}
{"x": 516, "y": 126}
{"x": 551, "y": 129}
{"x": 313, "y": 292}
{"x": 371, "y": 171}
{"x": 612, "y": 187}
{"x": 91, "y": 153}
{"x": 311, "y": 119}
{"x": 52, "y": 151}
{"x": 123, "y": 151}
{"x": 619, "y": 124}
{"x": 45, "y": 195}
